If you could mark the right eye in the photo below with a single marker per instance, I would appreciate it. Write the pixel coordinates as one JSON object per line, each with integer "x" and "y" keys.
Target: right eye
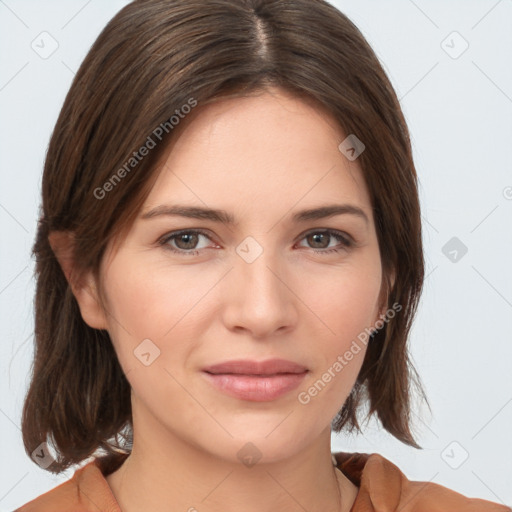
{"x": 185, "y": 241}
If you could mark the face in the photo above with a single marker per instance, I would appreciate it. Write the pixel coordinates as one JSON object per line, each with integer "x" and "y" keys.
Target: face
{"x": 185, "y": 293}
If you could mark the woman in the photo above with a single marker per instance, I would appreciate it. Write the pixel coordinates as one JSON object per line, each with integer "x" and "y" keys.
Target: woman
{"x": 229, "y": 260}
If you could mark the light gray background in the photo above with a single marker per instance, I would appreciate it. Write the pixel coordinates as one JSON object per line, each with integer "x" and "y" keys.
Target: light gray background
{"x": 459, "y": 110}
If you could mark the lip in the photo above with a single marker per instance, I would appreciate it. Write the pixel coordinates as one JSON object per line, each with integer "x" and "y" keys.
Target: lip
{"x": 256, "y": 381}
{"x": 249, "y": 367}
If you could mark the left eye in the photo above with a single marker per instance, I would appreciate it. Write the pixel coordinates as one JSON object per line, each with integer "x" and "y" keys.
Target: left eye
{"x": 185, "y": 242}
{"x": 319, "y": 237}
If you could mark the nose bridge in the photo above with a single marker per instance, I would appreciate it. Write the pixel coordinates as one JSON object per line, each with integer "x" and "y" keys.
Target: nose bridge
{"x": 259, "y": 298}
{"x": 257, "y": 264}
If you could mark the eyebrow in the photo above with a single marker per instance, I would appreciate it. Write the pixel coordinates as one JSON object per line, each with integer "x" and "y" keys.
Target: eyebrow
{"x": 215, "y": 215}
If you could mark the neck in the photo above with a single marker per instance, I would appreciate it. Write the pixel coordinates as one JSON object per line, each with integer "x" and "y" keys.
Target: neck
{"x": 166, "y": 473}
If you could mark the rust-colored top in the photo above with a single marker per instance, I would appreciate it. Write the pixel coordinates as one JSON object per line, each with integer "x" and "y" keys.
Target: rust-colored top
{"x": 382, "y": 488}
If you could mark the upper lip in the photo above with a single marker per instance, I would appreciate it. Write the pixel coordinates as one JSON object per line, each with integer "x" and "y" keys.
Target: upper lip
{"x": 247, "y": 367}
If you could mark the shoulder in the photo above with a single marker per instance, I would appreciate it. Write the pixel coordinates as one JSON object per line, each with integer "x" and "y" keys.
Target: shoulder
{"x": 86, "y": 491}
{"x": 382, "y": 486}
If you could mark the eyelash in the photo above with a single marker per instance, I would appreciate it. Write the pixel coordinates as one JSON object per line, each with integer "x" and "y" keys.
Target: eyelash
{"x": 345, "y": 241}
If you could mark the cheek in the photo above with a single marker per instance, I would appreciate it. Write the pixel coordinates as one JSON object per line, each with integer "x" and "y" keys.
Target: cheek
{"x": 151, "y": 299}
{"x": 346, "y": 305}
{"x": 160, "y": 305}
{"x": 345, "y": 301}
{"x": 158, "y": 302}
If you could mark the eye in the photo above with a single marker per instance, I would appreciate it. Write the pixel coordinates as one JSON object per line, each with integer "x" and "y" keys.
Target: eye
{"x": 185, "y": 241}
{"x": 320, "y": 239}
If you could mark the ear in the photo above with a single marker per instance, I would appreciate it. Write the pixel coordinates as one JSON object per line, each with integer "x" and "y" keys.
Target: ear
{"x": 84, "y": 289}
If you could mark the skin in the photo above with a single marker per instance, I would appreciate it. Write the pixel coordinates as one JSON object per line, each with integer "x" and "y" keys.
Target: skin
{"x": 261, "y": 158}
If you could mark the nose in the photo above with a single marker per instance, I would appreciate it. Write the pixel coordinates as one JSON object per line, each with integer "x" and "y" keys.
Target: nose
{"x": 258, "y": 296}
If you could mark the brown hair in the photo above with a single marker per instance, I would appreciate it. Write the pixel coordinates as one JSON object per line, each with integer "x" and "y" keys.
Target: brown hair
{"x": 152, "y": 58}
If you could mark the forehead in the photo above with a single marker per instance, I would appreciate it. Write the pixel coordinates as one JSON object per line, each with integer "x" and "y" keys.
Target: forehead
{"x": 259, "y": 154}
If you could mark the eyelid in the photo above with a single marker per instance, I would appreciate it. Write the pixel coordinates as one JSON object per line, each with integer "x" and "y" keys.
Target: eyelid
{"x": 332, "y": 231}
{"x": 171, "y": 234}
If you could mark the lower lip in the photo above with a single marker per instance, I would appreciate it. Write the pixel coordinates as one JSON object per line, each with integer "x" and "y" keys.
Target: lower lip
{"x": 255, "y": 388}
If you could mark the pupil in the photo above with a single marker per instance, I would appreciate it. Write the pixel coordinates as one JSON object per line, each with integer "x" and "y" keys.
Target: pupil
{"x": 190, "y": 238}
{"x": 317, "y": 236}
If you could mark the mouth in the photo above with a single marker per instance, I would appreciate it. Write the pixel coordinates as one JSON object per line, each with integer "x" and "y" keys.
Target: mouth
{"x": 256, "y": 381}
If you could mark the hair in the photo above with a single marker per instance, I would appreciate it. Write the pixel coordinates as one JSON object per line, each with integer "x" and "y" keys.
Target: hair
{"x": 153, "y": 58}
